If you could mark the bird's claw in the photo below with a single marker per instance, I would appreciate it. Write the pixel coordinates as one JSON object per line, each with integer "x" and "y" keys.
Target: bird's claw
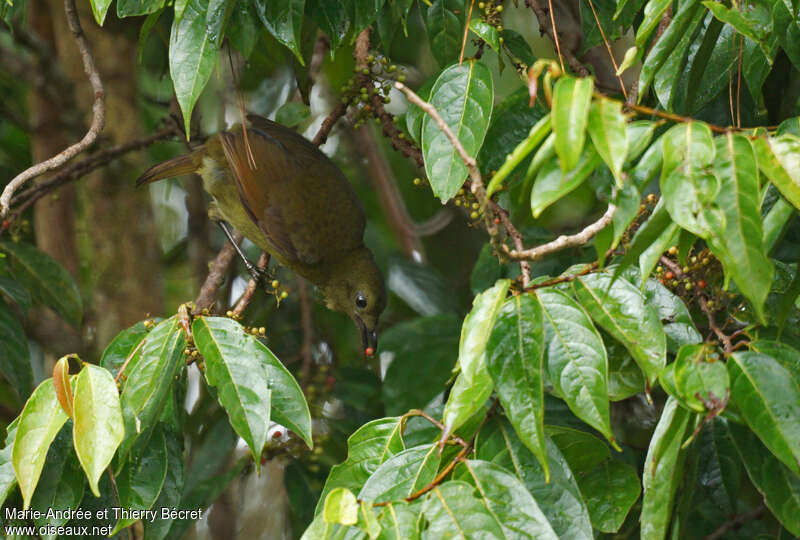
{"x": 259, "y": 275}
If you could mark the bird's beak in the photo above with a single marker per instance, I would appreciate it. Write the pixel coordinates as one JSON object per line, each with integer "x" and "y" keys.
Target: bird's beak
{"x": 369, "y": 338}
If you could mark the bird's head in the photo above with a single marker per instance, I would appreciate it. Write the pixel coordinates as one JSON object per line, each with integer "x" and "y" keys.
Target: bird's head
{"x": 355, "y": 287}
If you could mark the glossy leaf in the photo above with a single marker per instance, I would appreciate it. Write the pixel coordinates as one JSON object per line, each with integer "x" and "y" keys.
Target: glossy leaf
{"x": 463, "y": 96}
{"x": 98, "y": 426}
{"x": 776, "y": 483}
{"x": 423, "y": 352}
{"x": 649, "y": 258}
{"x": 234, "y": 367}
{"x": 663, "y": 470}
{"x": 284, "y": 20}
{"x": 743, "y": 255}
{"x": 149, "y": 377}
{"x": 402, "y": 474}
{"x": 768, "y": 398}
{"x": 505, "y": 497}
{"x": 466, "y": 398}
{"x": 129, "y": 8}
{"x": 341, "y": 507}
{"x": 571, "y": 100}
{"x": 39, "y": 422}
{"x": 619, "y": 308}
{"x": 398, "y": 521}
{"x": 648, "y": 233}
{"x": 365, "y": 12}
{"x": 608, "y": 130}
{"x": 610, "y": 490}
{"x": 8, "y": 478}
{"x": 140, "y": 482}
{"x": 192, "y": 56}
{"x": 559, "y": 498}
{"x": 486, "y": 32}
{"x": 122, "y": 346}
{"x": 332, "y": 18}
{"x": 538, "y": 132}
{"x": 701, "y": 379}
{"x": 16, "y": 292}
{"x": 367, "y": 448}
{"x": 582, "y": 450}
{"x": 444, "y": 22}
{"x": 15, "y": 363}
{"x": 170, "y": 495}
{"x": 516, "y": 363}
{"x": 47, "y": 281}
{"x": 99, "y": 10}
{"x": 552, "y": 183}
{"x": 477, "y": 328}
{"x": 576, "y": 359}
{"x": 625, "y": 378}
{"x": 688, "y": 188}
{"x": 452, "y": 510}
{"x": 778, "y": 160}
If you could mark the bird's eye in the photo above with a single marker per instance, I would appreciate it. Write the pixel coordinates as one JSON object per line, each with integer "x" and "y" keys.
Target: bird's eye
{"x": 361, "y": 301}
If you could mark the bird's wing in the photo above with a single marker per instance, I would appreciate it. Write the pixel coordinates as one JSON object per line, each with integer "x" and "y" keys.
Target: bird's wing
{"x": 256, "y": 163}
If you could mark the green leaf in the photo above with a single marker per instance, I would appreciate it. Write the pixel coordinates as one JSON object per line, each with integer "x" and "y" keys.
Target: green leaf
{"x": 121, "y": 348}
{"x": 741, "y": 22}
{"x": 402, "y": 474}
{"x": 608, "y": 130}
{"x": 701, "y": 379}
{"x": 99, "y": 10}
{"x": 423, "y": 352}
{"x": 506, "y": 499}
{"x": 98, "y": 426}
{"x": 776, "y": 483}
{"x": 284, "y": 20}
{"x": 170, "y": 495}
{"x": 559, "y": 498}
{"x": 477, "y": 328}
{"x": 234, "y": 366}
{"x": 61, "y": 484}
{"x": 784, "y": 354}
{"x": 516, "y": 363}
{"x": 688, "y": 12}
{"x": 649, "y": 258}
{"x": 743, "y": 255}
{"x": 779, "y": 160}
{"x": 517, "y": 48}
{"x": 8, "y": 478}
{"x": 653, "y": 12}
{"x": 576, "y": 359}
{"x": 140, "y": 482}
{"x": 619, "y": 307}
{"x": 365, "y": 13}
{"x": 444, "y": 22}
{"x": 47, "y": 281}
{"x": 452, "y": 508}
{"x": 149, "y": 377}
{"x": 537, "y": 133}
{"x": 192, "y": 56}
{"x": 332, "y": 18}
{"x": 552, "y": 183}
{"x": 463, "y": 95}
{"x": 341, "y": 507}
{"x": 583, "y": 451}
{"x": 39, "y": 423}
{"x": 292, "y": 114}
{"x": 371, "y": 444}
{"x": 775, "y": 222}
{"x": 645, "y": 236}
{"x": 571, "y": 100}
{"x": 129, "y": 8}
{"x": 625, "y": 378}
{"x": 466, "y": 398}
{"x": 486, "y": 32}
{"x": 16, "y": 292}
{"x": 688, "y": 188}
{"x": 398, "y": 521}
{"x": 415, "y": 115}
{"x": 663, "y": 470}
{"x": 610, "y": 490}
{"x": 768, "y": 398}
{"x": 15, "y": 363}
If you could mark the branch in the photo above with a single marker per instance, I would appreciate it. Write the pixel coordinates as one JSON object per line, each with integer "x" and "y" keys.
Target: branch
{"x": 252, "y": 286}
{"x": 219, "y": 269}
{"x": 98, "y": 115}
{"x": 25, "y": 199}
{"x": 548, "y": 27}
{"x": 737, "y": 522}
{"x": 564, "y": 242}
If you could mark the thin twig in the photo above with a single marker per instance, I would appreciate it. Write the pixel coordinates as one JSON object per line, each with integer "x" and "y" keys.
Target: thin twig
{"x": 252, "y": 286}
{"x": 555, "y": 34}
{"x": 564, "y": 279}
{"x": 98, "y": 115}
{"x": 548, "y": 27}
{"x": 327, "y": 124}
{"x": 466, "y": 33}
{"x": 564, "y": 242}
{"x": 608, "y": 48}
{"x": 737, "y": 522}
{"x": 216, "y": 275}
{"x": 25, "y": 199}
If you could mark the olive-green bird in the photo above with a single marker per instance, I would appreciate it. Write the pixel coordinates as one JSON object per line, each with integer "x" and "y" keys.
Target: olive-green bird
{"x": 286, "y": 196}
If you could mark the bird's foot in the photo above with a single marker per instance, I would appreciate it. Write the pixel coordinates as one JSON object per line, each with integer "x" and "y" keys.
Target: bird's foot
{"x": 261, "y": 276}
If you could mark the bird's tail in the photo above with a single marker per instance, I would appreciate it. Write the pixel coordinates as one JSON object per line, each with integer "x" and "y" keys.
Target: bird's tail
{"x": 168, "y": 169}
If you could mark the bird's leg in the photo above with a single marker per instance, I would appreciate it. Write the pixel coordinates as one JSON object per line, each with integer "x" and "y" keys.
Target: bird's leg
{"x": 259, "y": 276}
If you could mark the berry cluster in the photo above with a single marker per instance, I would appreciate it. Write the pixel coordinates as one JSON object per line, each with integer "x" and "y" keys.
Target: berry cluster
{"x": 698, "y": 278}
{"x": 465, "y": 198}
{"x": 491, "y": 15}
{"x": 367, "y": 83}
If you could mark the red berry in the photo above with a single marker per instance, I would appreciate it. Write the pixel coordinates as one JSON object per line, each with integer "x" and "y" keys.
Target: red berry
{"x": 497, "y": 221}
{"x": 701, "y": 284}
{"x": 369, "y": 351}
{"x": 669, "y": 275}
{"x": 276, "y": 434}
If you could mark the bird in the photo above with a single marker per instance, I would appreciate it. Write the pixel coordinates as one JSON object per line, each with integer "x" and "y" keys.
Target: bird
{"x": 288, "y": 198}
